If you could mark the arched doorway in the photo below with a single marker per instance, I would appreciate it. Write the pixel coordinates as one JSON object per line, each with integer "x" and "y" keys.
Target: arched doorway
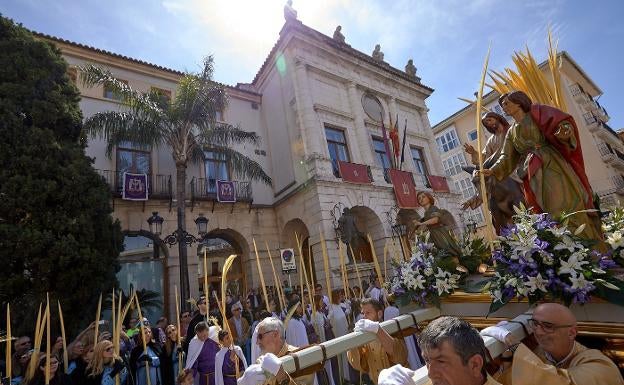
{"x": 144, "y": 267}
{"x": 289, "y": 239}
{"x": 368, "y": 223}
{"x": 218, "y": 245}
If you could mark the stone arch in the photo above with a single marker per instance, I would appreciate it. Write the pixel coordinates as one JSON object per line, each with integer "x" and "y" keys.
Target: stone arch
{"x": 368, "y": 222}
{"x": 219, "y": 245}
{"x": 288, "y": 239}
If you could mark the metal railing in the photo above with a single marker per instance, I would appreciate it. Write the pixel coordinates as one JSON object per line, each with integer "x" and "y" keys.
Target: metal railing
{"x": 206, "y": 189}
{"x": 159, "y": 185}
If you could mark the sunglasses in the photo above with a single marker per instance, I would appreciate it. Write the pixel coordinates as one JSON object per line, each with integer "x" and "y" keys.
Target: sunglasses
{"x": 260, "y": 335}
{"x": 547, "y": 327}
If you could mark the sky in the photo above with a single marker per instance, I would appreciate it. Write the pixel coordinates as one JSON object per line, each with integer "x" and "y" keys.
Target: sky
{"x": 448, "y": 39}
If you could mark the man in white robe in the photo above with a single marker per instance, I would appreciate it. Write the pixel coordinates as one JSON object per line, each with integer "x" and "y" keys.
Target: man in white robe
{"x": 296, "y": 334}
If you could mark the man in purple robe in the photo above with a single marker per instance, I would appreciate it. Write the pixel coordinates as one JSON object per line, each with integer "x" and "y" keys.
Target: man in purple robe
{"x": 230, "y": 362}
{"x": 201, "y": 354}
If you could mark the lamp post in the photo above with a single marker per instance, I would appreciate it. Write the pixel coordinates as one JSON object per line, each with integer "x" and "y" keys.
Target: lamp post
{"x": 183, "y": 239}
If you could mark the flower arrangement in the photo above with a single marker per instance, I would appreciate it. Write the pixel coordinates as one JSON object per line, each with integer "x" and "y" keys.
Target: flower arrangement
{"x": 539, "y": 258}
{"x": 422, "y": 279}
{"x": 613, "y": 227}
{"x": 474, "y": 252}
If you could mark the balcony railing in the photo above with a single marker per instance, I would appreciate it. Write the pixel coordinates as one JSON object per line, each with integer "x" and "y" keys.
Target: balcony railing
{"x": 206, "y": 189}
{"x": 159, "y": 186}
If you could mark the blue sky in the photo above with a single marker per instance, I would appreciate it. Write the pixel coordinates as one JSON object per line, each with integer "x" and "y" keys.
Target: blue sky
{"x": 447, "y": 39}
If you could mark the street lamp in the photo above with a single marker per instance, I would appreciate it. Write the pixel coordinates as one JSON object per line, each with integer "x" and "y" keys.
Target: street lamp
{"x": 183, "y": 239}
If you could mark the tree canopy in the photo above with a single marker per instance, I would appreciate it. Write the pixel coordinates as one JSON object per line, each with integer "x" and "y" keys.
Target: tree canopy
{"x": 56, "y": 230}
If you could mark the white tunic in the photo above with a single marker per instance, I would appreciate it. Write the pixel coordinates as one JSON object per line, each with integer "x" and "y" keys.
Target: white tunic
{"x": 296, "y": 334}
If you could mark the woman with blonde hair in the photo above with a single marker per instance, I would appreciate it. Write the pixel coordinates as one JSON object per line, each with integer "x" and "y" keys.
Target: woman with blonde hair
{"x": 106, "y": 365}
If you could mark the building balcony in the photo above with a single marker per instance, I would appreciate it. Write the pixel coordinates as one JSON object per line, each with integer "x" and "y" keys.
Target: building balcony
{"x": 602, "y": 114}
{"x": 159, "y": 186}
{"x": 579, "y": 94}
{"x": 611, "y": 156}
{"x": 205, "y": 189}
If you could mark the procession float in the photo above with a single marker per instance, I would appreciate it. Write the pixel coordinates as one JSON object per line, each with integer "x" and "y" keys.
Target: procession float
{"x": 555, "y": 246}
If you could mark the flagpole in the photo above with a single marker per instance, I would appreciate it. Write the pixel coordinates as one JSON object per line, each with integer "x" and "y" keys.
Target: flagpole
{"x": 384, "y": 133}
{"x": 403, "y": 146}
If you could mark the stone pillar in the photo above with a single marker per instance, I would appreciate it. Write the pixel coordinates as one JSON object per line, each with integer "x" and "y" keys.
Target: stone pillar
{"x": 308, "y": 122}
{"x": 362, "y": 135}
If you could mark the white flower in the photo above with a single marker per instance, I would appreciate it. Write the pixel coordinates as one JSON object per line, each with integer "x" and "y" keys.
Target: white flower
{"x": 498, "y": 295}
{"x": 579, "y": 282}
{"x": 419, "y": 282}
{"x": 573, "y": 264}
{"x": 428, "y": 271}
{"x": 512, "y": 282}
{"x": 558, "y": 231}
{"x": 536, "y": 283}
{"x": 622, "y": 253}
{"x": 442, "y": 274}
{"x": 443, "y": 286}
{"x": 567, "y": 243}
{"x": 615, "y": 240}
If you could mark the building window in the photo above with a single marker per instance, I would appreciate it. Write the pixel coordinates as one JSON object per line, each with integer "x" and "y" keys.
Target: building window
{"x": 499, "y": 110}
{"x": 472, "y": 135}
{"x": 453, "y": 165}
{"x": 418, "y": 157}
{"x": 473, "y": 216}
{"x": 380, "y": 153}
{"x": 110, "y": 94}
{"x": 447, "y": 141}
{"x": 134, "y": 159}
{"x": 466, "y": 188}
{"x": 337, "y": 146}
{"x": 163, "y": 95}
{"x": 216, "y": 167}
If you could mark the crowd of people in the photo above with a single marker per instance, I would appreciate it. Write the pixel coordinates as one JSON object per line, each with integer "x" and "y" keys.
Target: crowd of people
{"x": 243, "y": 347}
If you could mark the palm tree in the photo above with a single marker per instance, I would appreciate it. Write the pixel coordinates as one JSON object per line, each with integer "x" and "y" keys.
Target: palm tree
{"x": 187, "y": 125}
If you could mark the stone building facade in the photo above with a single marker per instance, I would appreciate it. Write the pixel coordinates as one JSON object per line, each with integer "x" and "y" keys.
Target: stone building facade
{"x": 305, "y": 102}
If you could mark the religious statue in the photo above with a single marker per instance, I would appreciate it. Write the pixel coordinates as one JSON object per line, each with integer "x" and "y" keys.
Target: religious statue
{"x": 338, "y": 36}
{"x": 544, "y": 145}
{"x": 289, "y": 12}
{"x": 349, "y": 234}
{"x": 410, "y": 68}
{"x": 505, "y": 194}
{"x": 408, "y": 218}
{"x": 377, "y": 54}
{"x": 439, "y": 223}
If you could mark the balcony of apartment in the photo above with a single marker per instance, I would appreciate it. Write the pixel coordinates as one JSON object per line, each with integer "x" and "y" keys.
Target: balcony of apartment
{"x": 159, "y": 185}
{"x": 205, "y": 189}
{"x": 420, "y": 181}
{"x": 611, "y": 156}
{"x": 601, "y": 113}
{"x": 579, "y": 94}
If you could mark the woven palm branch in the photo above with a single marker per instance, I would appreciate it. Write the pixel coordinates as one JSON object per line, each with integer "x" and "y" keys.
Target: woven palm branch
{"x": 529, "y": 78}
{"x": 290, "y": 314}
{"x": 226, "y": 267}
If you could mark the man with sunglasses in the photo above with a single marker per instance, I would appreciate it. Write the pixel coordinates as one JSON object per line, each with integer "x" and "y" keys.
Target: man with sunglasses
{"x": 200, "y": 316}
{"x": 272, "y": 345}
{"x": 559, "y": 358}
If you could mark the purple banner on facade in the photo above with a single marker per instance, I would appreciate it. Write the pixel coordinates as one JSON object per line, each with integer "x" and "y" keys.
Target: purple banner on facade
{"x": 134, "y": 187}
{"x": 225, "y": 191}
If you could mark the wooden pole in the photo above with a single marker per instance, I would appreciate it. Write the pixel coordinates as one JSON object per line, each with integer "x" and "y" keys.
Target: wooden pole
{"x": 278, "y": 286}
{"x": 486, "y": 205}
{"x": 206, "y": 289}
{"x": 375, "y": 260}
{"x": 63, "y": 336}
{"x": 325, "y": 264}
{"x": 147, "y": 370}
{"x": 48, "y": 341}
{"x": 179, "y": 339}
{"x": 9, "y": 342}
{"x": 264, "y": 290}
{"x": 304, "y": 270}
{"x": 97, "y": 321}
{"x": 357, "y": 272}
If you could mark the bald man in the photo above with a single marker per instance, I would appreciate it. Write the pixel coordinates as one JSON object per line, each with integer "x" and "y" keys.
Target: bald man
{"x": 559, "y": 358}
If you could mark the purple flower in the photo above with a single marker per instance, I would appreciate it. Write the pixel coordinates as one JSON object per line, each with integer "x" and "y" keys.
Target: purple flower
{"x": 606, "y": 263}
{"x": 399, "y": 291}
{"x": 541, "y": 245}
{"x": 509, "y": 230}
{"x": 544, "y": 221}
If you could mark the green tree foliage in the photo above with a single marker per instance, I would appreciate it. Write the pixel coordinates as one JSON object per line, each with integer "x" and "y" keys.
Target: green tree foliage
{"x": 56, "y": 230}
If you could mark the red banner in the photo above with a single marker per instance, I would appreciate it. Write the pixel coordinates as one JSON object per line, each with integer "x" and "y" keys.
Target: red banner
{"x": 438, "y": 183}
{"x": 353, "y": 172}
{"x": 404, "y": 188}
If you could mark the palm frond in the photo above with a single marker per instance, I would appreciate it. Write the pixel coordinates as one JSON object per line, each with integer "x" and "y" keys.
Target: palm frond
{"x": 243, "y": 166}
{"x": 117, "y": 127}
{"x": 224, "y": 134}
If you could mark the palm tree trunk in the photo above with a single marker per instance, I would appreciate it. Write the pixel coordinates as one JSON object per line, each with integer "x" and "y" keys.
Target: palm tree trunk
{"x": 181, "y": 207}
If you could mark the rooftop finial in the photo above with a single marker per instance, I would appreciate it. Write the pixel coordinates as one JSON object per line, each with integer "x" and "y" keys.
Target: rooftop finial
{"x": 289, "y": 12}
